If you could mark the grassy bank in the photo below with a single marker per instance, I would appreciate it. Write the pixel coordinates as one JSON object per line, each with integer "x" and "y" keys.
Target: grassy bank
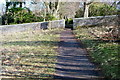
{"x": 103, "y": 53}
{"x": 29, "y": 54}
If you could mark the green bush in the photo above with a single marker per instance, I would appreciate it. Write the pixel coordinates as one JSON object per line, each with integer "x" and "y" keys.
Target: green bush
{"x": 50, "y": 17}
{"x": 15, "y": 10}
{"x": 20, "y": 15}
{"x": 69, "y": 21}
{"x": 98, "y": 9}
{"x": 79, "y": 13}
{"x": 101, "y": 9}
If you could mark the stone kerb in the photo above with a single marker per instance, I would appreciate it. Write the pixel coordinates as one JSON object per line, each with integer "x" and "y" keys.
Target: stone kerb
{"x": 93, "y": 21}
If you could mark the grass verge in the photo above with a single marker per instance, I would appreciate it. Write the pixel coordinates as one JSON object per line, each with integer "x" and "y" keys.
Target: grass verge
{"x": 29, "y": 54}
{"x": 104, "y": 53}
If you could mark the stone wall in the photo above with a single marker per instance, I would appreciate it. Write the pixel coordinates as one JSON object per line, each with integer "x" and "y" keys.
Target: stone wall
{"x": 93, "y": 21}
{"x": 57, "y": 24}
{"x": 0, "y": 20}
{"x": 33, "y": 26}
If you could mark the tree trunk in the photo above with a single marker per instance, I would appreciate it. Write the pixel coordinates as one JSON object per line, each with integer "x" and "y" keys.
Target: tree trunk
{"x": 21, "y": 4}
{"x": 45, "y": 14}
{"x": 56, "y": 8}
{"x": 52, "y": 8}
{"x": 7, "y": 5}
{"x": 86, "y": 9}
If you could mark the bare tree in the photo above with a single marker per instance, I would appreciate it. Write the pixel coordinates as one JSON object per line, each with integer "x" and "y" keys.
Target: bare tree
{"x": 68, "y": 9}
{"x": 53, "y": 7}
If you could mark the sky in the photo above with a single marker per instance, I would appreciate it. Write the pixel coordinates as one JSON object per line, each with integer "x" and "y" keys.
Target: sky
{"x": 2, "y": 1}
{"x": 2, "y": 6}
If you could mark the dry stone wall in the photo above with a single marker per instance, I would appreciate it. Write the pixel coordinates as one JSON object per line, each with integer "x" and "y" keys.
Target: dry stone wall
{"x": 33, "y": 26}
{"x": 93, "y": 21}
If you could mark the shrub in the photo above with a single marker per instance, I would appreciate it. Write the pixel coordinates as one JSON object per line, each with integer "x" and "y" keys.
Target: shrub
{"x": 79, "y": 13}
{"x": 98, "y": 9}
{"x": 69, "y": 21}
{"x": 101, "y": 9}
{"x": 20, "y": 15}
{"x": 7, "y": 18}
{"x": 50, "y": 17}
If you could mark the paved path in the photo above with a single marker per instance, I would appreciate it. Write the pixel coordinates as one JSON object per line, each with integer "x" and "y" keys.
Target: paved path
{"x": 73, "y": 62}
